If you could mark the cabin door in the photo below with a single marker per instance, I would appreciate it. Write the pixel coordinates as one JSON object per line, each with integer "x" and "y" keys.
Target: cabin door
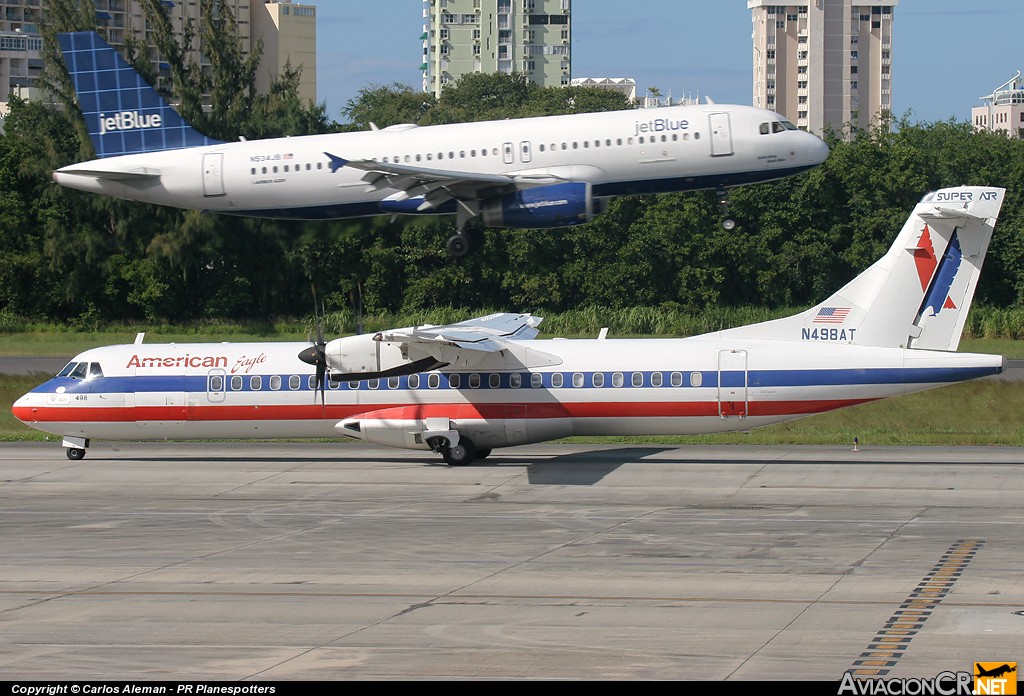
{"x": 732, "y": 383}
{"x": 213, "y": 174}
{"x": 721, "y": 134}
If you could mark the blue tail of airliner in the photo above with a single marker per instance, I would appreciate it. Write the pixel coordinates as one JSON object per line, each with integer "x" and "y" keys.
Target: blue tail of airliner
{"x": 123, "y": 113}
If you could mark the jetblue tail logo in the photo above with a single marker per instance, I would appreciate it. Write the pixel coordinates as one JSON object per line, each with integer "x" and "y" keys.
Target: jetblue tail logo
{"x": 127, "y": 120}
{"x": 124, "y": 114}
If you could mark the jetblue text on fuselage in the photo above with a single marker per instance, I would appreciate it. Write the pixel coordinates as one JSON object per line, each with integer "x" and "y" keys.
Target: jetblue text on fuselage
{"x": 659, "y": 125}
{"x": 129, "y": 120}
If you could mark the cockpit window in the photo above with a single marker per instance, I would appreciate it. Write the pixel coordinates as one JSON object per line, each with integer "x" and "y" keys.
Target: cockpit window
{"x": 81, "y": 371}
{"x": 777, "y": 127}
{"x": 67, "y": 369}
{"x": 95, "y": 370}
{"x": 764, "y": 128}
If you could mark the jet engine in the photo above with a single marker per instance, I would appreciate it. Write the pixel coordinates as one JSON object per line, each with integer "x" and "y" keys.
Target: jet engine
{"x": 555, "y": 205}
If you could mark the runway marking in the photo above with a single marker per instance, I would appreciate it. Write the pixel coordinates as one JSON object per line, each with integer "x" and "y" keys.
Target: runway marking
{"x": 891, "y": 643}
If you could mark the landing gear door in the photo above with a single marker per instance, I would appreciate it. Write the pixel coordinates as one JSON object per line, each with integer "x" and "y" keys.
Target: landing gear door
{"x": 732, "y": 383}
{"x": 213, "y": 174}
{"x": 721, "y": 134}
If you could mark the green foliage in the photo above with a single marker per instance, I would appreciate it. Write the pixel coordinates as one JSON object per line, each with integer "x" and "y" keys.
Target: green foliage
{"x": 648, "y": 264}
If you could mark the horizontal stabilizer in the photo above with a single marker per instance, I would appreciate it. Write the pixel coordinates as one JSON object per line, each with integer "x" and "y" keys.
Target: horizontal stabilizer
{"x": 110, "y": 174}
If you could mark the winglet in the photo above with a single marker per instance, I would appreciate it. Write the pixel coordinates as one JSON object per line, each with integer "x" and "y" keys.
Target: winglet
{"x": 336, "y": 162}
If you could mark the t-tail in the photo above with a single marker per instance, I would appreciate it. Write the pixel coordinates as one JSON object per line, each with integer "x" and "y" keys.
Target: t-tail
{"x": 123, "y": 113}
{"x": 918, "y": 294}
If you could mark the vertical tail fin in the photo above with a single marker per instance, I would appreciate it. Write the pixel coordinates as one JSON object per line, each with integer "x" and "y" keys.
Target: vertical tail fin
{"x": 123, "y": 113}
{"x": 918, "y": 294}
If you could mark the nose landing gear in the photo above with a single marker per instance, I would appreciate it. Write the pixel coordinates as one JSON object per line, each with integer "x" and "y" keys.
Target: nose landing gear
{"x": 728, "y": 224}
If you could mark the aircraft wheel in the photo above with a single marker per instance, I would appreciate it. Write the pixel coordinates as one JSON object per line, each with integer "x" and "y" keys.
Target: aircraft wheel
{"x": 482, "y": 453}
{"x": 75, "y": 453}
{"x": 458, "y": 245}
{"x": 461, "y": 454}
{"x": 729, "y": 224}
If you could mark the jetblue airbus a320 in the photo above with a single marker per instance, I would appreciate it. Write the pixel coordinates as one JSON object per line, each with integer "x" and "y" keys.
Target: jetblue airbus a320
{"x": 545, "y": 172}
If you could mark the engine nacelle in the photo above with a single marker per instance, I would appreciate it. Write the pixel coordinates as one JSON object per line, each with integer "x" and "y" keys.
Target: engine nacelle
{"x": 555, "y": 205}
{"x": 367, "y": 356}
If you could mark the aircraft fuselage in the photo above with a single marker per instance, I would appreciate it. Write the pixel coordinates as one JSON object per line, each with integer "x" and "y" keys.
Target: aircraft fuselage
{"x": 619, "y": 153}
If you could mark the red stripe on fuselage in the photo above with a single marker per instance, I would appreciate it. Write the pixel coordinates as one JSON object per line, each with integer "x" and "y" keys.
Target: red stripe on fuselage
{"x": 455, "y": 411}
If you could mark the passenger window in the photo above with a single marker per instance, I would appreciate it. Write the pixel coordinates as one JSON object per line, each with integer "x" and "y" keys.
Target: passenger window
{"x": 454, "y": 381}
{"x": 393, "y": 382}
{"x": 311, "y": 382}
{"x": 275, "y": 382}
{"x": 515, "y": 380}
{"x": 556, "y": 380}
{"x": 333, "y": 383}
{"x": 536, "y": 380}
{"x": 255, "y": 383}
{"x": 494, "y": 381}
{"x": 577, "y": 379}
{"x": 433, "y": 380}
{"x": 676, "y": 379}
{"x": 617, "y": 379}
{"x": 474, "y": 381}
{"x": 216, "y": 383}
{"x": 696, "y": 379}
{"x": 236, "y": 383}
{"x": 414, "y": 381}
{"x": 373, "y": 383}
{"x": 656, "y": 379}
{"x": 294, "y": 382}
{"x": 638, "y": 379}
{"x": 598, "y": 379}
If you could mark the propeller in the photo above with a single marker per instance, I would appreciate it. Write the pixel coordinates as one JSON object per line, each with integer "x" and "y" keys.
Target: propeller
{"x": 316, "y": 355}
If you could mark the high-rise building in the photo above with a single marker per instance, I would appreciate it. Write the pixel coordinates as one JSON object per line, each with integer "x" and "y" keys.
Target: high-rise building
{"x": 533, "y": 37}
{"x": 824, "y": 63}
{"x": 1003, "y": 110}
{"x": 288, "y": 30}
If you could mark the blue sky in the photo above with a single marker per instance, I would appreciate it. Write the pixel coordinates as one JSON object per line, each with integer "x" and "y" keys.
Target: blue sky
{"x": 946, "y": 53}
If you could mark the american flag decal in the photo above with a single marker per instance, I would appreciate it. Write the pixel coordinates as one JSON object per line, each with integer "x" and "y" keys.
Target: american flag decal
{"x": 831, "y": 315}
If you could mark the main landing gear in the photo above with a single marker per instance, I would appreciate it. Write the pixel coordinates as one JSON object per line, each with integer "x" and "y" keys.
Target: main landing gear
{"x": 467, "y": 233}
{"x": 462, "y": 454}
{"x": 728, "y": 224}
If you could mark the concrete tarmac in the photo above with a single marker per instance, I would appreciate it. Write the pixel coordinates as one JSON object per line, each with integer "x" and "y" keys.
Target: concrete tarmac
{"x": 287, "y": 561}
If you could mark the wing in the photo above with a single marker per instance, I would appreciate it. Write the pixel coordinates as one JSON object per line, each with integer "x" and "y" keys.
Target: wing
{"x": 497, "y": 341}
{"x": 431, "y": 188}
{"x": 489, "y": 334}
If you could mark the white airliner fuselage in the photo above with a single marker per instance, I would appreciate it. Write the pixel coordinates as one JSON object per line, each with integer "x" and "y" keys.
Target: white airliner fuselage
{"x": 550, "y": 171}
{"x": 599, "y": 387}
{"x": 617, "y": 153}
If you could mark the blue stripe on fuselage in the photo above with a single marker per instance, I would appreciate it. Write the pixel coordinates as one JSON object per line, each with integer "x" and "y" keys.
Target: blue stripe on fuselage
{"x": 708, "y": 379}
